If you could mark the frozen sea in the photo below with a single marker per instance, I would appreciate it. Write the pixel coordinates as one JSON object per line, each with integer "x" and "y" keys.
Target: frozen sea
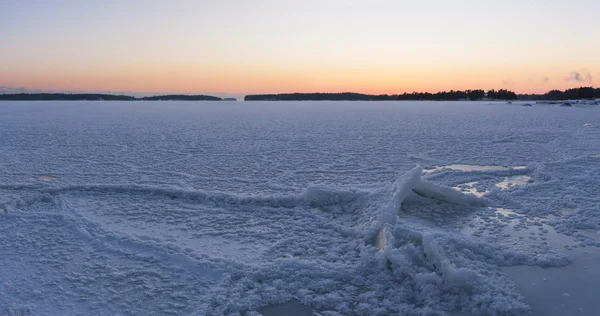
{"x": 304, "y": 208}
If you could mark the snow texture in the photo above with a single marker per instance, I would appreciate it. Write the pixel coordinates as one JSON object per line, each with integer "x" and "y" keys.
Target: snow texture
{"x": 357, "y": 208}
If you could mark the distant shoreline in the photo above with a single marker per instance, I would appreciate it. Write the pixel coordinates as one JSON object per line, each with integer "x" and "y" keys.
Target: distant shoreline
{"x": 452, "y": 95}
{"x": 105, "y": 97}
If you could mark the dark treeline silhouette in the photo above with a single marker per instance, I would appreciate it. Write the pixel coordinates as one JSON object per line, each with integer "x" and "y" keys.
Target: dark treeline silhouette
{"x": 344, "y": 96}
{"x": 451, "y": 95}
{"x": 569, "y": 94}
{"x": 101, "y": 97}
{"x": 501, "y": 94}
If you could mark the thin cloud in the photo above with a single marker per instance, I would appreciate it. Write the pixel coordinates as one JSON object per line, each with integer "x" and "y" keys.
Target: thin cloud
{"x": 546, "y": 79}
{"x": 507, "y": 82}
{"x": 576, "y": 76}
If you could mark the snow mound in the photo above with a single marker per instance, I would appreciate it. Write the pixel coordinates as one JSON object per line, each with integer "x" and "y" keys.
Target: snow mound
{"x": 312, "y": 196}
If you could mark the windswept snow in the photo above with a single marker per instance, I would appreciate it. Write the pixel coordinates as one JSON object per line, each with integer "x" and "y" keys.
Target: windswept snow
{"x": 358, "y": 208}
{"x": 463, "y": 167}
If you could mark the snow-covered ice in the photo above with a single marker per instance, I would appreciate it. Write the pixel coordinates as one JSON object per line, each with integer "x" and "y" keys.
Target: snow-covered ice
{"x": 331, "y": 208}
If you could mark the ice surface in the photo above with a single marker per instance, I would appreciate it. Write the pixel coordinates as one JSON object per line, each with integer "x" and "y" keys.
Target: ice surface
{"x": 175, "y": 208}
{"x": 563, "y": 291}
{"x": 463, "y": 167}
{"x": 292, "y": 308}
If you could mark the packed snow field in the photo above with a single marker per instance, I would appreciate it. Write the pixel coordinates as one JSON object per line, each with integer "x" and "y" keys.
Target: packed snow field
{"x": 341, "y": 208}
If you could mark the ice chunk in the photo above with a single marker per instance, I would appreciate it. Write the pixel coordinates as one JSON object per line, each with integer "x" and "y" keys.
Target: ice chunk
{"x": 446, "y": 194}
{"x": 402, "y": 188}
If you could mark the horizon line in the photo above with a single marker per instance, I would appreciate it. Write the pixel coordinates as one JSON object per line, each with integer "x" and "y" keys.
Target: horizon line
{"x": 22, "y": 90}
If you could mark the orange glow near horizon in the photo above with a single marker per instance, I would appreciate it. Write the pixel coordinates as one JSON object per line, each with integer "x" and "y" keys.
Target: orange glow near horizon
{"x": 269, "y": 46}
{"x": 371, "y": 81}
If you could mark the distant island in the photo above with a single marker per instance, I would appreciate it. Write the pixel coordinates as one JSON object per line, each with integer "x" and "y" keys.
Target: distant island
{"x": 474, "y": 95}
{"x": 451, "y": 95}
{"x": 344, "y": 96}
{"x": 101, "y": 97}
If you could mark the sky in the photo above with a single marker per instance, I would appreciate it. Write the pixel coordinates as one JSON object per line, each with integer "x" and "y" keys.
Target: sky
{"x": 228, "y": 47}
